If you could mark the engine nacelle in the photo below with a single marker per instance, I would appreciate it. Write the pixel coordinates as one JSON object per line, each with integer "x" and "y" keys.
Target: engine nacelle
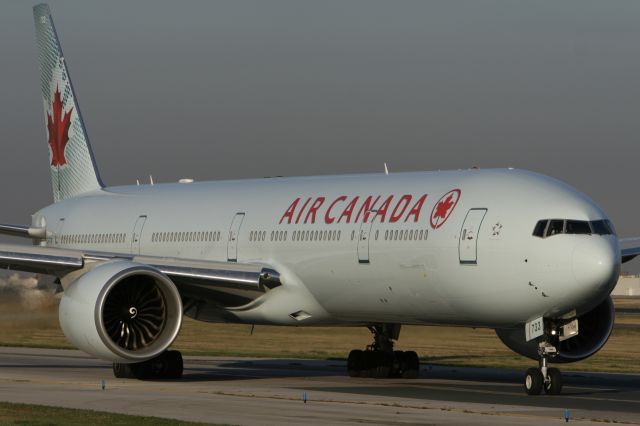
{"x": 595, "y": 327}
{"x": 121, "y": 311}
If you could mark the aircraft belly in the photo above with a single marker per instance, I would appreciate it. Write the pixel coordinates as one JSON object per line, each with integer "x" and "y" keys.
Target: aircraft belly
{"x": 426, "y": 289}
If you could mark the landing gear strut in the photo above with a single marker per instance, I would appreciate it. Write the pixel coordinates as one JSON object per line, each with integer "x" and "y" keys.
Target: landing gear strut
{"x": 379, "y": 360}
{"x": 167, "y": 365}
{"x": 544, "y": 377}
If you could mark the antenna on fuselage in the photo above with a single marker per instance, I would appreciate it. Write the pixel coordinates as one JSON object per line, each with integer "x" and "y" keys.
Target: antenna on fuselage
{"x": 151, "y": 179}
{"x": 386, "y": 169}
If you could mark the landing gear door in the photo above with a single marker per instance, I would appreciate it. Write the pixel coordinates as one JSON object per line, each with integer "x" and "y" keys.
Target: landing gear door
{"x": 468, "y": 247}
{"x": 234, "y": 232}
{"x": 364, "y": 236}
{"x": 136, "y": 237}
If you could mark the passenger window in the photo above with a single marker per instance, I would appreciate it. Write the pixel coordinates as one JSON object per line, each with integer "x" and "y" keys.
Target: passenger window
{"x": 578, "y": 227}
{"x": 538, "y": 231}
{"x": 555, "y": 227}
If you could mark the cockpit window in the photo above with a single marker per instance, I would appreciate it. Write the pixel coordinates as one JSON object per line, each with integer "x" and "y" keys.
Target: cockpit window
{"x": 602, "y": 227}
{"x": 549, "y": 227}
{"x": 538, "y": 231}
{"x": 578, "y": 227}
{"x": 555, "y": 227}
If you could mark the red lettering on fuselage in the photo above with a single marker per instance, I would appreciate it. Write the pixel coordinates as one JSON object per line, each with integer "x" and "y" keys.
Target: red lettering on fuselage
{"x": 400, "y": 207}
{"x": 312, "y": 207}
{"x": 348, "y": 211}
{"x": 289, "y": 213}
{"x": 302, "y": 210}
{"x": 416, "y": 209}
{"x": 327, "y": 217}
{"x": 366, "y": 208}
{"x": 382, "y": 211}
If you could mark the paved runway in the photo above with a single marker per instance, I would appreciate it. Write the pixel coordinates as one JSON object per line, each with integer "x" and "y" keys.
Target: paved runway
{"x": 270, "y": 391}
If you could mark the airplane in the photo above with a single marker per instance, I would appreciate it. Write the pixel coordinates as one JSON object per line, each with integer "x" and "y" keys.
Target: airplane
{"x": 512, "y": 250}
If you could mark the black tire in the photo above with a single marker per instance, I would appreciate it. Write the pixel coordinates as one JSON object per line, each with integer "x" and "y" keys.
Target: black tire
{"x": 152, "y": 369}
{"x": 554, "y": 385}
{"x": 533, "y": 381}
{"x": 368, "y": 364}
{"x": 174, "y": 365}
{"x": 412, "y": 365}
{"x": 355, "y": 363}
{"x": 123, "y": 371}
{"x": 398, "y": 364}
{"x": 384, "y": 362}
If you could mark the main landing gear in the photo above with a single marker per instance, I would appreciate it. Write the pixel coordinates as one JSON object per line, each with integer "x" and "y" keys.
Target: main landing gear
{"x": 167, "y": 365}
{"x": 544, "y": 377}
{"x": 379, "y": 360}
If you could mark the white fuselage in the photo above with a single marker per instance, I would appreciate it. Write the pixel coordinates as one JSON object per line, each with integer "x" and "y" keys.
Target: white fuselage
{"x": 470, "y": 259}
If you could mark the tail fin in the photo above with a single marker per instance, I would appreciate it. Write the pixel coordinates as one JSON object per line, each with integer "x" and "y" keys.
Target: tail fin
{"x": 73, "y": 168}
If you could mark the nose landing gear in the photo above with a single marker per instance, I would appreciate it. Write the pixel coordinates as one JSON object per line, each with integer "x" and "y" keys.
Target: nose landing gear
{"x": 379, "y": 360}
{"x": 544, "y": 377}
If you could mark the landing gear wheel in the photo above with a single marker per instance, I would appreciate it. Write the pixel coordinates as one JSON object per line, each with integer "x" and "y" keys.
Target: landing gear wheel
{"x": 175, "y": 365}
{"x": 411, "y": 365}
{"x": 379, "y": 360}
{"x": 553, "y": 384}
{"x": 384, "y": 362}
{"x": 123, "y": 371}
{"x": 369, "y": 364}
{"x": 533, "y": 381}
{"x": 355, "y": 363}
{"x": 168, "y": 365}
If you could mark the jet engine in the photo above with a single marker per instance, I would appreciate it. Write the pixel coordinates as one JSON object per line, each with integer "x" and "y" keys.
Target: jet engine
{"x": 121, "y": 311}
{"x": 594, "y": 330}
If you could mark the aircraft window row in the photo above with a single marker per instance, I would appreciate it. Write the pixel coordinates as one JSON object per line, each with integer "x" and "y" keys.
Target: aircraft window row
{"x": 549, "y": 227}
{"x": 311, "y": 235}
{"x": 116, "y": 238}
{"x": 187, "y": 236}
{"x": 258, "y": 235}
{"x": 278, "y": 235}
{"x": 406, "y": 235}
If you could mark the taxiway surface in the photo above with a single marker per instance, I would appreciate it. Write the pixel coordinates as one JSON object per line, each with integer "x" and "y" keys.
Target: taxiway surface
{"x": 270, "y": 391}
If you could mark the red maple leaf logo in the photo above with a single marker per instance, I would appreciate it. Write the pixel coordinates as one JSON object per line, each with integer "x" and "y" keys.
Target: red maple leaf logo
{"x": 58, "y": 130}
{"x": 443, "y": 208}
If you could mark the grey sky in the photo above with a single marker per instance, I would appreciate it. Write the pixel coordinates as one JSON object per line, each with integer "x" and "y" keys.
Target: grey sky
{"x": 229, "y": 89}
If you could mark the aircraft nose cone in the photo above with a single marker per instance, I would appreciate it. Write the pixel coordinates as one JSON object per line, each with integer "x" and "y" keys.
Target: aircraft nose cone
{"x": 596, "y": 265}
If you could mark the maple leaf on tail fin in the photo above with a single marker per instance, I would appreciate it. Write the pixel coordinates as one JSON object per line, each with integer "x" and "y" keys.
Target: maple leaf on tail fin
{"x": 58, "y": 130}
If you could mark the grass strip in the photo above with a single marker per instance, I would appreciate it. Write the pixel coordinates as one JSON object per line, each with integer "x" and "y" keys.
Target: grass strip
{"x": 42, "y": 415}
{"x": 458, "y": 346}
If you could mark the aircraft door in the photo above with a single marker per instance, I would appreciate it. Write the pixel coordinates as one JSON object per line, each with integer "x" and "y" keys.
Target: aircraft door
{"x": 57, "y": 236}
{"x": 468, "y": 247}
{"x": 136, "y": 236}
{"x": 234, "y": 232}
{"x": 364, "y": 237}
